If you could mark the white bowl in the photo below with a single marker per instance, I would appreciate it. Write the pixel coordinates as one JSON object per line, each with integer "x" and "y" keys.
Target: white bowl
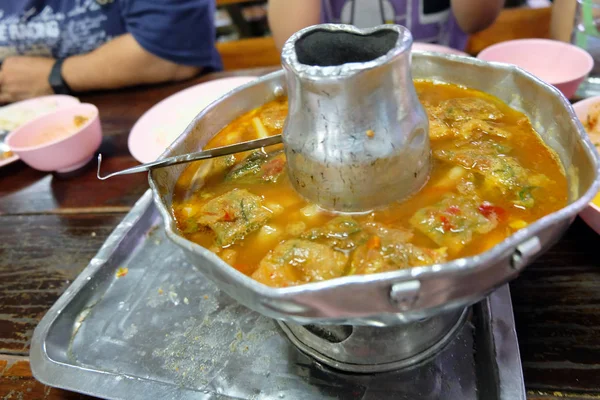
{"x": 591, "y": 214}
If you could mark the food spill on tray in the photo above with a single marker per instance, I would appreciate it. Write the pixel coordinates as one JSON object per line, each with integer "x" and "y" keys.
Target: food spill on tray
{"x": 491, "y": 176}
{"x": 122, "y": 272}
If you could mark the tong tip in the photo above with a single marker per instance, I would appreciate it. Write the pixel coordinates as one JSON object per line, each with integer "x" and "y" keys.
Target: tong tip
{"x": 98, "y": 171}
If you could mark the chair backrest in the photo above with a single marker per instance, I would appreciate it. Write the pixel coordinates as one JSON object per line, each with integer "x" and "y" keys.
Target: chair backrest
{"x": 249, "y": 53}
{"x": 513, "y": 23}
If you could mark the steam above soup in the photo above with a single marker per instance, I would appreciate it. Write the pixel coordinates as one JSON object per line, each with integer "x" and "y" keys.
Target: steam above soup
{"x": 491, "y": 175}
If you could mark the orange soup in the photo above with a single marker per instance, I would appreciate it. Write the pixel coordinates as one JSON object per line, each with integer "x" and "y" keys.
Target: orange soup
{"x": 491, "y": 175}
{"x": 58, "y": 131}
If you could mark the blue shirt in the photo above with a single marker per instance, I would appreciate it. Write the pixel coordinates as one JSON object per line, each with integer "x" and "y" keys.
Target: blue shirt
{"x": 181, "y": 31}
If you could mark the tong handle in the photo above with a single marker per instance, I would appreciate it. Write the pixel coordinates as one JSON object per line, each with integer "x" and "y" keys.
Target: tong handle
{"x": 199, "y": 155}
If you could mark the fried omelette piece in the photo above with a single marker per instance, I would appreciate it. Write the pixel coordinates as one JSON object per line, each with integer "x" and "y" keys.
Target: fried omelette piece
{"x": 233, "y": 215}
{"x": 456, "y": 220}
{"x": 298, "y": 261}
{"x": 502, "y": 174}
{"x": 387, "y": 249}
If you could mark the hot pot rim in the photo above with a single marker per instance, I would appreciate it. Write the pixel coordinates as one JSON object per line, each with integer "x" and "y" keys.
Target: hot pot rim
{"x": 461, "y": 267}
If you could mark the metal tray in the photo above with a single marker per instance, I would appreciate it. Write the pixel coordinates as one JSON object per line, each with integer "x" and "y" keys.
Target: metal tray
{"x": 164, "y": 331}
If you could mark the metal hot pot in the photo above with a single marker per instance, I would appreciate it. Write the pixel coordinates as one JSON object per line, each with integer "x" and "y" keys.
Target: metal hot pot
{"x": 427, "y": 303}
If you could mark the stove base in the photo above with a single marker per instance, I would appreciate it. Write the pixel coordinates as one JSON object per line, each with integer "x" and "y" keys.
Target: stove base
{"x": 362, "y": 349}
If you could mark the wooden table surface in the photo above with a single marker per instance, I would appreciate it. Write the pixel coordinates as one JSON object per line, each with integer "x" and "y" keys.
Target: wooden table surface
{"x": 51, "y": 226}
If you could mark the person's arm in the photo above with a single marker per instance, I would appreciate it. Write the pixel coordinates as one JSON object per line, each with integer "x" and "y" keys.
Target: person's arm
{"x": 166, "y": 40}
{"x": 286, "y": 17}
{"x": 475, "y": 15}
{"x": 119, "y": 63}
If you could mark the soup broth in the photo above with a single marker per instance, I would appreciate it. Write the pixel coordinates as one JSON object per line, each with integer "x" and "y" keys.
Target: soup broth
{"x": 491, "y": 176}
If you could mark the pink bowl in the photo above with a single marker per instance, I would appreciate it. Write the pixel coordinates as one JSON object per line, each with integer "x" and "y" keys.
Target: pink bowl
{"x": 53, "y": 143}
{"x": 562, "y": 65}
{"x": 591, "y": 216}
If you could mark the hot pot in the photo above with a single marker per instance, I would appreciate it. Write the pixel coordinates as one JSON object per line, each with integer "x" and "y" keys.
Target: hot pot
{"x": 420, "y": 293}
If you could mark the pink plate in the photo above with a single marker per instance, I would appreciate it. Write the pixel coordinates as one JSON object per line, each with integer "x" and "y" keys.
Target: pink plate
{"x": 591, "y": 214}
{"x": 437, "y": 48}
{"x": 18, "y": 114}
{"x": 165, "y": 121}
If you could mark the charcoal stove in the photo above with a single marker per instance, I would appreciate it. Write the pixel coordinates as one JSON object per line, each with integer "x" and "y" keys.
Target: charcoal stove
{"x": 367, "y": 349}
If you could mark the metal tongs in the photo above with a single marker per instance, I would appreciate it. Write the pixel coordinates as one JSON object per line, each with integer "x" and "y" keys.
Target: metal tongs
{"x": 199, "y": 155}
{"x": 3, "y": 146}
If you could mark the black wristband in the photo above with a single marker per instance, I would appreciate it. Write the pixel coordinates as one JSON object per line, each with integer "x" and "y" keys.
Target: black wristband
{"x": 58, "y": 84}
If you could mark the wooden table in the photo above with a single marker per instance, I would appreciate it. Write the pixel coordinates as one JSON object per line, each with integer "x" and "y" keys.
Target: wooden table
{"x": 51, "y": 226}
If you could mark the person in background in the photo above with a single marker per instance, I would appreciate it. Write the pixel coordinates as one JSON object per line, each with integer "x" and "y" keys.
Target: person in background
{"x": 64, "y": 46}
{"x": 446, "y": 22}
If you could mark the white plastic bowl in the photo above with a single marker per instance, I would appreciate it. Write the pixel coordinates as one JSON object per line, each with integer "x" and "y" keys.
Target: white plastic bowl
{"x": 591, "y": 214}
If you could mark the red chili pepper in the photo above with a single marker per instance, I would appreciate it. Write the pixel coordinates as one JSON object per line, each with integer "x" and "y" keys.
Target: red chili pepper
{"x": 454, "y": 210}
{"x": 273, "y": 167}
{"x": 446, "y": 223}
{"x": 227, "y": 217}
{"x": 489, "y": 211}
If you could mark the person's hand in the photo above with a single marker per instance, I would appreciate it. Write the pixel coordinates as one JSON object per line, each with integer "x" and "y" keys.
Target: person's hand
{"x": 23, "y": 77}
